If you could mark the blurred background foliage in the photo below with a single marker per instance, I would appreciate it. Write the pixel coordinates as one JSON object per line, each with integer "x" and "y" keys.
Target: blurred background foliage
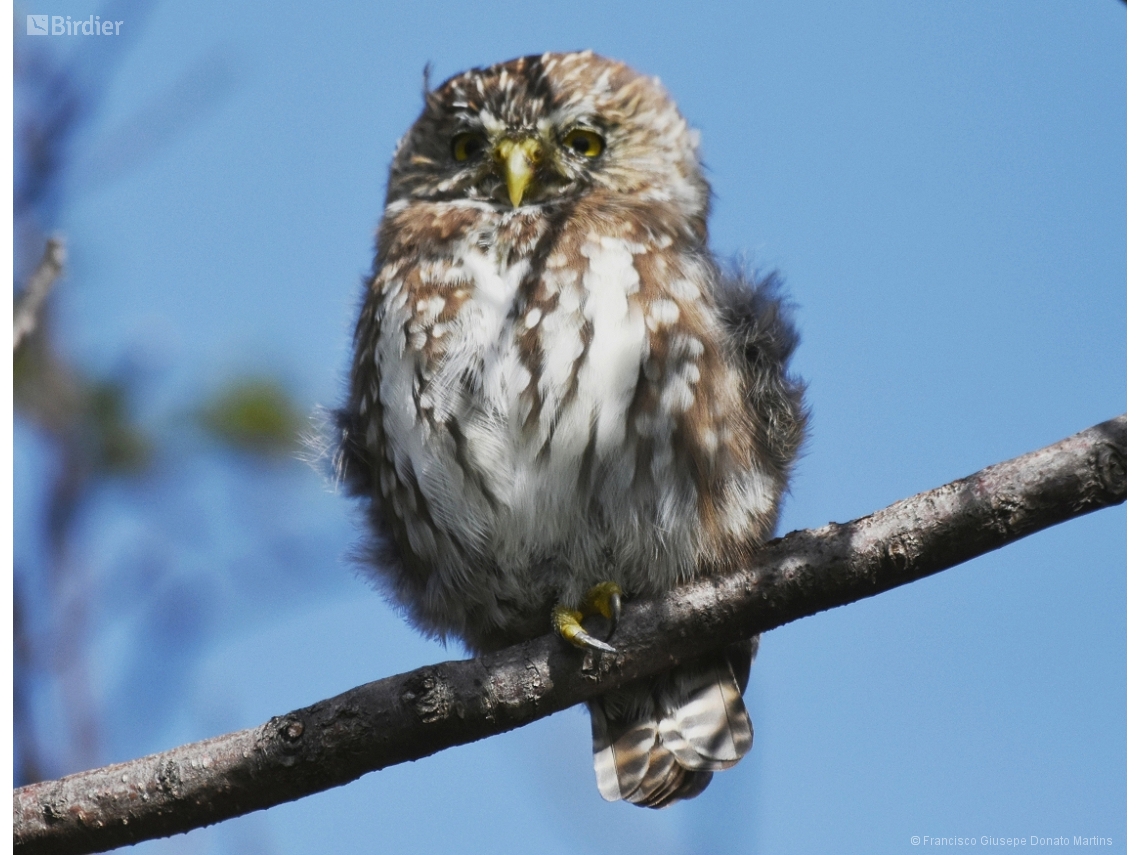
{"x": 91, "y": 447}
{"x": 255, "y": 414}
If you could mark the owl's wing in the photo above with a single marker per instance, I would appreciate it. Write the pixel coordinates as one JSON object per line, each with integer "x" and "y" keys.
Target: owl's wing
{"x": 659, "y": 741}
{"x": 763, "y": 339}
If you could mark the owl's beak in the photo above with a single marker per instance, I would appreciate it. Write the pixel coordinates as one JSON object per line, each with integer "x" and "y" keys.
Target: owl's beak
{"x": 517, "y": 160}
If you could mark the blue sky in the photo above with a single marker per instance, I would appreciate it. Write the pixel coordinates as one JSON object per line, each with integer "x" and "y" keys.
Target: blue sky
{"x": 942, "y": 186}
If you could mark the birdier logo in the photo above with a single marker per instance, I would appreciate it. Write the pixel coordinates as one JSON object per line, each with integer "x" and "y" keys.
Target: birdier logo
{"x": 62, "y": 25}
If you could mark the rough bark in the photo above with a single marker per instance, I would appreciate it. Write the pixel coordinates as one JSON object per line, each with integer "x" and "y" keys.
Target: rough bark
{"x": 412, "y": 715}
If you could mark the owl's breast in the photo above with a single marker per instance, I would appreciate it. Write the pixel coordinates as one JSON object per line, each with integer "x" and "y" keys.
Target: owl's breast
{"x": 508, "y": 384}
{"x": 535, "y": 391}
{"x": 547, "y": 359}
{"x": 557, "y": 416}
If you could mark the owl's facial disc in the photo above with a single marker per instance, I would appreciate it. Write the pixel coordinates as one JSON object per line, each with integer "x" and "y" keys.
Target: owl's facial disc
{"x": 548, "y": 131}
{"x": 516, "y": 160}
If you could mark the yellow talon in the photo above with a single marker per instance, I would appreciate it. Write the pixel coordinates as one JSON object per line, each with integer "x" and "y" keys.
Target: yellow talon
{"x": 603, "y": 599}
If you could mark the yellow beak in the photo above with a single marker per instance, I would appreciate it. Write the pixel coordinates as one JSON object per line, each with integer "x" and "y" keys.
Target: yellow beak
{"x": 517, "y": 160}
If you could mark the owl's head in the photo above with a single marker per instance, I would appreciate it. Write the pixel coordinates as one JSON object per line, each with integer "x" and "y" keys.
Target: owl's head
{"x": 541, "y": 130}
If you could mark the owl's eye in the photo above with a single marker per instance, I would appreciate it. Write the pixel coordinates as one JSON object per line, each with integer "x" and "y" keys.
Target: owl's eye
{"x": 467, "y": 146}
{"x": 584, "y": 142}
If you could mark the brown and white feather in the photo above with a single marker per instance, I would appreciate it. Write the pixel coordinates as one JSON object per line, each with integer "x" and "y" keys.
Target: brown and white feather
{"x": 570, "y": 391}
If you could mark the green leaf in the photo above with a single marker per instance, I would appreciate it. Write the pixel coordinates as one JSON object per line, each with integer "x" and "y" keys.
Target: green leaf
{"x": 256, "y": 415}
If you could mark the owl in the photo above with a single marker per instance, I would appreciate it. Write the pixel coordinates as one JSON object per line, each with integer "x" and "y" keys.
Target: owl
{"x": 559, "y": 399}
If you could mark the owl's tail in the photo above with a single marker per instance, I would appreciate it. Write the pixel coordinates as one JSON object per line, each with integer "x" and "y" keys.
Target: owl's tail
{"x": 660, "y": 740}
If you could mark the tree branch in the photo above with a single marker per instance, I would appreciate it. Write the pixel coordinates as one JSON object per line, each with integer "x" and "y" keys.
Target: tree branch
{"x": 31, "y": 300}
{"x": 416, "y": 714}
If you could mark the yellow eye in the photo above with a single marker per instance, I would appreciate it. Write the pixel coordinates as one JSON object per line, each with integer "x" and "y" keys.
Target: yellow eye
{"x": 466, "y": 146}
{"x": 585, "y": 143}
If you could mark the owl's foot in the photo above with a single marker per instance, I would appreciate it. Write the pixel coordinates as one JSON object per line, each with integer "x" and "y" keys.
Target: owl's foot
{"x": 603, "y": 599}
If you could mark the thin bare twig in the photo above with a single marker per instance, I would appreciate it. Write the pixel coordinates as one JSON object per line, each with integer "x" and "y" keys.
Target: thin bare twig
{"x": 416, "y": 714}
{"x": 31, "y": 300}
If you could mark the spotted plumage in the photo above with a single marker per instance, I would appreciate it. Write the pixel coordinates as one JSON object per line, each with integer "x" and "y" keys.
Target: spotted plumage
{"x": 554, "y": 386}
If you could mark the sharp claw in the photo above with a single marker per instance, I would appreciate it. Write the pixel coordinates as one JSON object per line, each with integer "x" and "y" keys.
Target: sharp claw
{"x": 615, "y": 614}
{"x": 604, "y": 600}
{"x": 584, "y": 639}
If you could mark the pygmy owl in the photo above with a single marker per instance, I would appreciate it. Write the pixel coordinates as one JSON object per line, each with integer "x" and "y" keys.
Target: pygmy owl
{"x": 558, "y": 396}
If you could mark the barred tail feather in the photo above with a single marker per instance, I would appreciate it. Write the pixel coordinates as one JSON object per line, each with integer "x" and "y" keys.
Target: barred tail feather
{"x": 621, "y": 753}
{"x": 708, "y": 729}
{"x": 658, "y": 741}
